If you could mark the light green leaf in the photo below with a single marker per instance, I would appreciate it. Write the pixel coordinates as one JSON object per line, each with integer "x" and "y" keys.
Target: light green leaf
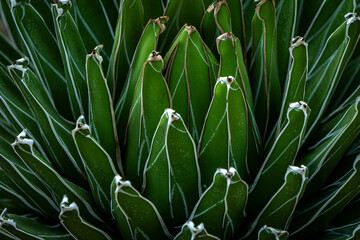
{"x": 79, "y": 228}
{"x": 221, "y": 207}
{"x": 151, "y": 98}
{"x": 171, "y": 173}
{"x": 136, "y": 216}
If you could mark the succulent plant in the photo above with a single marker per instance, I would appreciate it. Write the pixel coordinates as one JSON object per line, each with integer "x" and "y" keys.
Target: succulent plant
{"x": 178, "y": 119}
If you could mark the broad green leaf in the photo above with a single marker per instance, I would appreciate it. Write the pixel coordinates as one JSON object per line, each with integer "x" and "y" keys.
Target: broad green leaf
{"x": 73, "y": 54}
{"x": 190, "y": 74}
{"x": 136, "y": 216}
{"x": 190, "y": 231}
{"x": 295, "y": 83}
{"x": 269, "y": 233}
{"x": 216, "y": 21}
{"x": 282, "y": 154}
{"x": 55, "y": 130}
{"x": 132, "y": 20}
{"x": 323, "y": 156}
{"x": 181, "y": 12}
{"x": 266, "y": 84}
{"x": 101, "y": 112}
{"x": 147, "y": 44}
{"x": 171, "y": 173}
{"x": 57, "y": 184}
{"x": 286, "y": 17}
{"x": 98, "y": 164}
{"x": 325, "y": 74}
{"x": 327, "y": 18}
{"x": 227, "y": 136}
{"x": 317, "y": 213}
{"x": 221, "y": 207}
{"x": 31, "y": 189}
{"x": 72, "y": 221}
{"x": 43, "y": 51}
{"x": 151, "y": 98}
{"x": 279, "y": 210}
{"x": 25, "y": 228}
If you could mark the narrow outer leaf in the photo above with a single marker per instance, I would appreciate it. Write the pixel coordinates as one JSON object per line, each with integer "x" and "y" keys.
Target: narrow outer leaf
{"x": 147, "y": 44}
{"x": 221, "y": 207}
{"x": 30, "y": 229}
{"x": 78, "y": 228}
{"x": 317, "y": 213}
{"x": 190, "y": 74}
{"x": 227, "y": 134}
{"x": 74, "y": 56}
{"x": 101, "y": 112}
{"x": 171, "y": 173}
{"x": 57, "y": 185}
{"x": 55, "y": 130}
{"x": 279, "y": 210}
{"x": 136, "y": 216}
{"x": 98, "y": 164}
{"x": 43, "y": 51}
{"x": 282, "y": 154}
{"x": 190, "y": 231}
{"x": 325, "y": 154}
{"x": 326, "y": 72}
{"x": 265, "y": 77}
{"x": 151, "y": 97}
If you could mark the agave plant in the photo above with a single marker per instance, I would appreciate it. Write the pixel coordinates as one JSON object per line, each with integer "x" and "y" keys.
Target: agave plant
{"x": 178, "y": 119}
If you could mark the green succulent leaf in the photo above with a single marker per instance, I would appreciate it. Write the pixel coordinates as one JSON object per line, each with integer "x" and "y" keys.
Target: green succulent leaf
{"x": 98, "y": 164}
{"x": 29, "y": 186}
{"x": 190, "y": 231}
{"x": 334, "y": 139}
{"x": 8, "y": 51}
{"x": 190, "y": 74}
{"x": 151, "y": 98}
{"x": 325, "y": 74}
{"x": 132, "y": 20}
{"x": 279, "y": 157}
{"x": 227, "y": 133}
{"x": 286, "y": 16}
{"x": 216, "y": 21}
{"x": 264, "y": 66}
{"x": 101, "y": 112}
{"x": 221, "y": 207}
{"x": 296, "y": 82}
{"x": 269, "y": 233}
{"x": 147, "y": 44}
{"x": 279, "y": 210}
{"x": 136, "y": 216}
{"x": 326, "y": 17}
{"x": 73, "y": 53}
{"x": 72, "y": 221}
{"x": 25, "y": 228}
{"x": 181, "y": 12}
{"x": 42, "y": 49}
{"x": 171, "y": 173}
{"x": 55, "y": 130}
{"x": 318, "y": 212}
{"x": 57, "y": 184}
